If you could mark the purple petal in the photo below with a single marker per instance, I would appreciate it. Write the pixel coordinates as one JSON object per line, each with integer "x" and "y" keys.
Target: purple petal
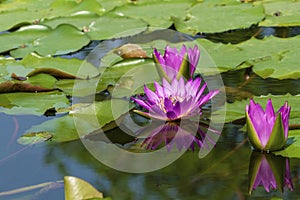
{"x": 168, "y": 104}
{"x": 152, "y": 96}
{"x": 142, "y": 103}
{"x": 270, "y": 114}
{"x": 259, "y": 121}
{"x": 159, "y": 57}
{"x": 159, "y": 90}
{"x": 194, "y": 55}
{"x": 285, "y": 115}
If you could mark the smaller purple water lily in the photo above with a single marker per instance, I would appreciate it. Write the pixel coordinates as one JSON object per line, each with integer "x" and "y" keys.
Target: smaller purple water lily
{"x": 269, "y": 171}
{"x": 174, "y": 101}
{"x": 267, "y": 130}
{"x": 174, "y": 64}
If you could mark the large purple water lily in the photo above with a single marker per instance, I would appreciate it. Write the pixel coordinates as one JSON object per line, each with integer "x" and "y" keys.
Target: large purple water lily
{"x": 174, "y": 64}
{"x": 176, "y": 100}
{"x": 267, "y": 130}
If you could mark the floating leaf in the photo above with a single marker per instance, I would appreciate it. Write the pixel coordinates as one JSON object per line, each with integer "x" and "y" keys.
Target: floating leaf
{"x": 78, "y": 189}
{"x": 254, "y": 52}
{"x": 34, "y": 138}
{"x": 82, "y": 20}
{"x": 211, "y": 18}
{"x": 281, "y": 13}
{"x": 61, "y": 40}
{"x": 31, "y": 103}
{"x": 58, "y": 67}
{"x": 83, "y": 87}
{"x": 112, "y": 26}
{"x": 61, "y": 129}
{"x": 284, "y": 67}
{"x": 293, "y": 149}
{"x": 88, "y": 118}
{"x": 156, "y": 14}
{"x": 21, "y": 12}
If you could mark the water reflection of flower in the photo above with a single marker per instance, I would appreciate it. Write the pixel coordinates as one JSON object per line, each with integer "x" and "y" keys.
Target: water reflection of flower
{"x": 267, "y": 130}
{"x": 185, "y": 135}
{"x": 269, "y": 171}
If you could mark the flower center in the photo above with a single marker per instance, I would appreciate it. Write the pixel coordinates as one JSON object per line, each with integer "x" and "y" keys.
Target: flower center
{"x": 174, "y": 100}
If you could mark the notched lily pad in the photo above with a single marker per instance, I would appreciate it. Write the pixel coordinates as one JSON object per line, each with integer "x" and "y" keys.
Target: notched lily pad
{"x": 211, "y": 18}
{"x": 34, "y": 138}
{"x": 281, "y": 13}
{"x": 32, "y": 103}
{"x": 119, "y": 26}
{"x": 58, "y": 67}
{"x": 43, "y": 40}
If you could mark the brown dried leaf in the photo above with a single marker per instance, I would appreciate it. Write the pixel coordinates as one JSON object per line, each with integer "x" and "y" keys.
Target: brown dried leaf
{"x": 131, "y": 51}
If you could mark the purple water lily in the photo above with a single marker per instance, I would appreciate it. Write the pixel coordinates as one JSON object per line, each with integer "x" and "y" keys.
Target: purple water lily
{"x": 174, "y": 64}
{"x": 176, "y": 100}
{"x": 269, "y": 171}
{"x": 267, "y": 130}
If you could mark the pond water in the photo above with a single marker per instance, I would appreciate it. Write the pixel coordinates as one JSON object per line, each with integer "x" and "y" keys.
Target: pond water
{"x": 222, "y": 174}
{"x": 37, "y": 171}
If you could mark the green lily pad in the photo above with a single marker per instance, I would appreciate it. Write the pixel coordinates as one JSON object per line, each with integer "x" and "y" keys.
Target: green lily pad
{"x": 81, "y": 120}
{"x": 61, "y": 129}
{"x": 236, "y": 110}
{"x": 281, "y": 13}
{"x": 31, "y": 103}
{"x": 110, "y": 26}
{"x": 28, "y": 12}
{"x": 267, "y": 56}
{"x": 38, "y": 83}
{"x": 292, "y": 150}
{"x": 156, "y": 14}
{"x": 83, "y": 87}
{"x": 284, "y": 67}
{"x": 59, "y": 67}
{"x": 23, "y": 36}
{"x": 76, "y": 188}
{"x": 43, "y": 40}
{"x": 82, "y": 20}
{"x": 211, "y": 18}
{"x": 34, "y": 138}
